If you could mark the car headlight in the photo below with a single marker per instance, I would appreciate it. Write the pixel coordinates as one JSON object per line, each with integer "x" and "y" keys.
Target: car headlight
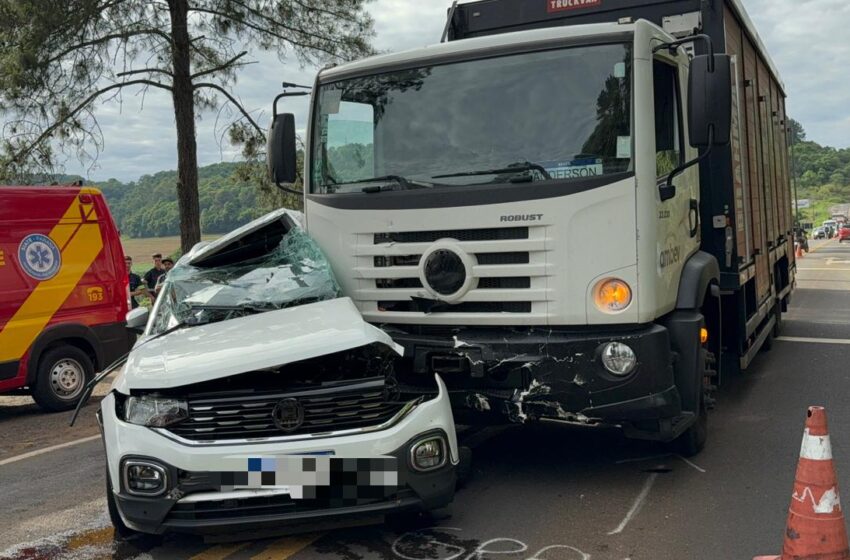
{"x": 612, "y": 295}
{"x": 155, "y": 412}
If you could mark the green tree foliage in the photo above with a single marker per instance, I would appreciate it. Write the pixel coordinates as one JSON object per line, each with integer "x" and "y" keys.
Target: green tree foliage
{"x": 822, "y": 174}
{"x": 59, "y": 59}
{"x": 147, "y": 208}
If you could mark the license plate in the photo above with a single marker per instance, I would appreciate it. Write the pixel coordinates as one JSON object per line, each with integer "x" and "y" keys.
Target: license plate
{"x": 318, "y": 476}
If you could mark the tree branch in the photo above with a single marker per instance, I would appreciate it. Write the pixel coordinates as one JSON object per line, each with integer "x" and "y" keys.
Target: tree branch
{"x": 144, "y": 71}
{"x": 81, "y": 106}
{"x": 220, "y": 67}
{"x": 232, "y": 100}
{"x": 107, "y": 38}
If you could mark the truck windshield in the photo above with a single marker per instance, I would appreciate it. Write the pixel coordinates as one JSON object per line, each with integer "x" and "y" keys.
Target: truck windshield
{"x": 552, "y": 115}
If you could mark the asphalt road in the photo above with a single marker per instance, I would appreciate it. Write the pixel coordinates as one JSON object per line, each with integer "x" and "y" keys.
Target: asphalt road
{"x": 540, "y": 492}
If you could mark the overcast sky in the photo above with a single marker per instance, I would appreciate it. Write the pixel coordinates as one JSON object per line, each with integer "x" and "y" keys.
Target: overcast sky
{"x": 808, "y": 40}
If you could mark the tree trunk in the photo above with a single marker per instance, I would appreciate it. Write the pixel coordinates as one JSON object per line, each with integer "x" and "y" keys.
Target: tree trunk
{"x": 184, "y": 115}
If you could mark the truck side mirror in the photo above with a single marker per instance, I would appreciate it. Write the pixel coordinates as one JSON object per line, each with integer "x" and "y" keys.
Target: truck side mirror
{"x": 280, "y": 149}
{"x": 136, "y": 319}
{"x": 710, "y": 100}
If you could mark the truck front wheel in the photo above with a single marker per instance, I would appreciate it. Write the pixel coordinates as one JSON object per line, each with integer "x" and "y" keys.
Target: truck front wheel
{"x": 693, "y": 440}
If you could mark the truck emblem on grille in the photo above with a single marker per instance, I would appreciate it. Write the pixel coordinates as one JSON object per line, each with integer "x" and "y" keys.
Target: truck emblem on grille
{"x": 288, "y": 415}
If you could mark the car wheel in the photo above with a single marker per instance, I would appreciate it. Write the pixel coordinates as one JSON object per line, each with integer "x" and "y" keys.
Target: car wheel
{"x": 121, "y": 530}
{"x": 63, "y": 373}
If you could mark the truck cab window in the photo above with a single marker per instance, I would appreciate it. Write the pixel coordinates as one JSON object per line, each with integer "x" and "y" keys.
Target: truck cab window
{"x": 347, "y": 148}
{"x": 668, "y": 149}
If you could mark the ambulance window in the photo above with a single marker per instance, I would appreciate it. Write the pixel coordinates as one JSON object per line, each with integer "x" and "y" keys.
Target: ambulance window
{"x": 668, "y": 133}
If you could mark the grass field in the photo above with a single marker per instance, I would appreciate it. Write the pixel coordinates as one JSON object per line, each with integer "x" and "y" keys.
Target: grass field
{"x": 141, "y": 249}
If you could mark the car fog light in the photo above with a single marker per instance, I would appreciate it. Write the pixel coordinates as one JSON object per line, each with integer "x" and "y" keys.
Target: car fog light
{"x": 142, "y": 478}
{"x": 428, "y": 454}
{"x": 618, "y": 358}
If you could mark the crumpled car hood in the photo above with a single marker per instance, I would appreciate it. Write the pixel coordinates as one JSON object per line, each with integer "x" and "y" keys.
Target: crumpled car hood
{"x": 255, "y": 342}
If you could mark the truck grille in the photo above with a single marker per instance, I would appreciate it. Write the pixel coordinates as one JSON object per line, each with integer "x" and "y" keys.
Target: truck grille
{"x": 247, "y": 417}
{"x": 510, "y": 267}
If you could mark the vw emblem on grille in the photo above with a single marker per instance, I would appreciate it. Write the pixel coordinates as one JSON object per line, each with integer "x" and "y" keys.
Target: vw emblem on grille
{"x": 288, "y": 415}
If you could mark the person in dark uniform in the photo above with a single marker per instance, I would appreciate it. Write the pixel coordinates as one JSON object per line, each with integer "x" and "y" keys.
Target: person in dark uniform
{"x": 152, "y": 275}
{"x": 135, "y": 281}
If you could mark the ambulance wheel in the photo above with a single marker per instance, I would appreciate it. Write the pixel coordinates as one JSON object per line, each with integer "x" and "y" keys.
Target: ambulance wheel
{"x": 63, "y": 372}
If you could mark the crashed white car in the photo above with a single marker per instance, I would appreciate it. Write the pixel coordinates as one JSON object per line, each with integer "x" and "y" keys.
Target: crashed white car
{"x": 257, "y": 398}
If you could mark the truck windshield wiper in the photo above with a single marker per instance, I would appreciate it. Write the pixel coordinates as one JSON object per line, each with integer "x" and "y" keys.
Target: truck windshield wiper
{"x": 398, "y": 181}
{"x": 119, "y": 362}
{"x": 512, "y": 168}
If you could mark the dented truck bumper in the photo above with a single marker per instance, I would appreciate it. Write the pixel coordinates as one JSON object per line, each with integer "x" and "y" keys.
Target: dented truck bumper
{"x": 527, "y": 374}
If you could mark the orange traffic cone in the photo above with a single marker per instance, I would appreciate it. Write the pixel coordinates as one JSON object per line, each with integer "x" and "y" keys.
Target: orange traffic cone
{"x": 815, "y": 529}
{"x": 799, "y": 250}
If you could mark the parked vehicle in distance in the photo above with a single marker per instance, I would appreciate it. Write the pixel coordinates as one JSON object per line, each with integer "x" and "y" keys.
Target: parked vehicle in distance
{"x": 257, "y": 398}
{"x": 844, "y": 232}
{"x": 63, "y": 292}
{"x": 831, "y": 228}
{"x": 819, "y": 233}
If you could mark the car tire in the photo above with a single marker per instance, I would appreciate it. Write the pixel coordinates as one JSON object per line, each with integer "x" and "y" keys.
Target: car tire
{"x": 121, "y": 530}
{"x": 62, "y": 375}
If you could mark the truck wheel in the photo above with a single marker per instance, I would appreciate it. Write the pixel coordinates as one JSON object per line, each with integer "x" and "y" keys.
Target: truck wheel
{"x": 63, "y": 372}
{"x": 693, "y": 440}
{"x": 121, "y": 530}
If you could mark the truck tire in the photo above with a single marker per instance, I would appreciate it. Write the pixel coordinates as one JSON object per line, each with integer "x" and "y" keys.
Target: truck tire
{"x": 63, "y": 372}
{"x": 121, "y": 530}
{"x": 693, "y": 440}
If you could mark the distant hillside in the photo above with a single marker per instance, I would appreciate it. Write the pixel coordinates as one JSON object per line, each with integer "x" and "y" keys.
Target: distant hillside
{"x": 148, "y": 207}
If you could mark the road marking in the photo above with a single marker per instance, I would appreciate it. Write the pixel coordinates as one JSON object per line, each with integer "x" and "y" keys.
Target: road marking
{"x": 813, "y": 340}
{"x": 286, "y": 547}
{"x": 37, "y": 452}
{"x": 644, "y": 492}
{"x": 700, "y": 469}
{"x": 831, "y": 269}
{"x": 219, "y": 552}
{"x": 646, "y": 458}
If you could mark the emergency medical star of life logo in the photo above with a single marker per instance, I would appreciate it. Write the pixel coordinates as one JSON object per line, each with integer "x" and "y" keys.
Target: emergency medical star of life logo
{"x": 39, "y": 256}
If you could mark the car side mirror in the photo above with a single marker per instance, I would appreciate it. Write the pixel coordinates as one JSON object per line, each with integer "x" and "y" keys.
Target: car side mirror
{"x": 280, "y": 149}
{"x": 710, "y": 100}
{"x": 136, "y": 319}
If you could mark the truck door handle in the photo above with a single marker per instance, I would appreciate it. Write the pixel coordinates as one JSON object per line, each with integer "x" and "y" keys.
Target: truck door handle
{"x": 693, "y": 210}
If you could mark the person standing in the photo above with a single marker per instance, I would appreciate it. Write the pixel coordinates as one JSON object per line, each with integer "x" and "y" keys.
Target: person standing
{"x": 135, "y": 282}
{"x": 152, "y": 275}
{"x": 167, "y": 264}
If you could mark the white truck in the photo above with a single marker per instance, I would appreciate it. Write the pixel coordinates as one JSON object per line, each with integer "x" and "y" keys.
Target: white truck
{"x": 547, "y": 210}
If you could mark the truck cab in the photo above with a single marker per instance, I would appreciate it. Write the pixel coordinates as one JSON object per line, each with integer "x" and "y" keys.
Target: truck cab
{"x": 523, "y": 208}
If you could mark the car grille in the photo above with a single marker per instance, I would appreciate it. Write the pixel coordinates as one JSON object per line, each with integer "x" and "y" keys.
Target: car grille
{"x": 510, "y": 268}
{"x": 250, "y": 416}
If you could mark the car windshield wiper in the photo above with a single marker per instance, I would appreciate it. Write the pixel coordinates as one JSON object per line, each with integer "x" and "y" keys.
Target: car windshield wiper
{"x": 119, "y": 362}
{"x": 398, "y": 182}
{"x": 512, "y": 168}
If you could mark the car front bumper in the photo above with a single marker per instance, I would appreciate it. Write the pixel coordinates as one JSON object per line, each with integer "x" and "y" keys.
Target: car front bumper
{"x": 195, "y": 501}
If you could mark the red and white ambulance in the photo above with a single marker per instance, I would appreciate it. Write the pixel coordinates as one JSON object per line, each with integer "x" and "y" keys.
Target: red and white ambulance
{"x": 63, "y": 292}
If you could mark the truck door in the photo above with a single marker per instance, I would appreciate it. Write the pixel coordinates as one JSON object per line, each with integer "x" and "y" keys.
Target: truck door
{"x": 677, "y": 220}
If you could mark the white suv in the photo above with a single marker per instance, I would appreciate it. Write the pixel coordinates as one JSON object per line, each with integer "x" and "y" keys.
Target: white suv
{"x": 257, "y": 398}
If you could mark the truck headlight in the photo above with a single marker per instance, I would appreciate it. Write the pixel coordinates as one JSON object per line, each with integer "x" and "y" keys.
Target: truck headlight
{"x": 612, "y": 295}
{"x": 618, "y": 358}
{"x": 155, "y": 412}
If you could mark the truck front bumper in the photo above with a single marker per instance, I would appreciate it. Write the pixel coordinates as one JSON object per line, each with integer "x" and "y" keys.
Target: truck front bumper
{"x": 532, "y": 374}
{"x": 201, "y": 496}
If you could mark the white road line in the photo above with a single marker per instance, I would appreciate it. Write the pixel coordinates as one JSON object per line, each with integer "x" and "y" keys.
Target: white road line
{"x": 37, "y": 452}
{"x": 700, "y": 469}
{"x": 805, "y": 268}
{"x": 813, "y": 340}
{"x": 647, "y": 486}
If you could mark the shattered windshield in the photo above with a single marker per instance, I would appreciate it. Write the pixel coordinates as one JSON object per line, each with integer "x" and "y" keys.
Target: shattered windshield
{"x": 294, "y": 272}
